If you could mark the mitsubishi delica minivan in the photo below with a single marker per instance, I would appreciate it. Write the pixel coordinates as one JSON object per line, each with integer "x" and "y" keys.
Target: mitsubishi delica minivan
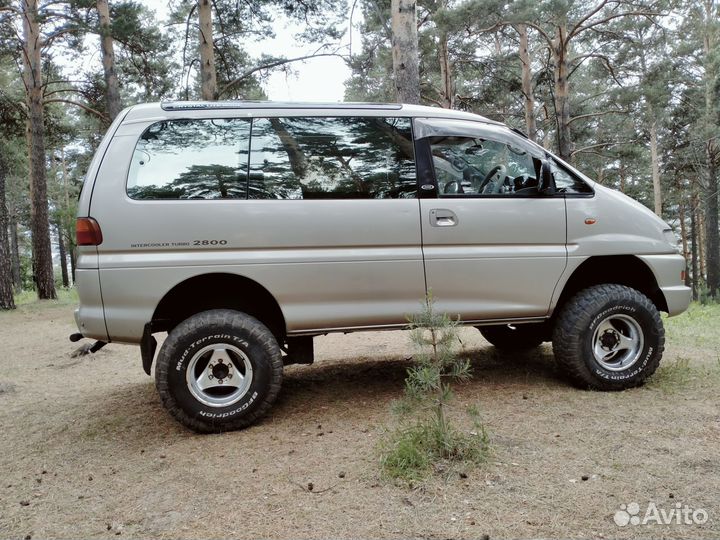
{"x": 243, "y": 229}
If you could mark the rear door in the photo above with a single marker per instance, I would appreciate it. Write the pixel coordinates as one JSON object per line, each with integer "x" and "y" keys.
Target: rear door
{"x": 494, "y": 248}
{"x": 338, "y": 196}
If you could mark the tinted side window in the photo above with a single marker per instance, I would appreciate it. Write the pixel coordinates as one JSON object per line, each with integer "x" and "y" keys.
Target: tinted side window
{"x": 191, "y": 159}
{"x": 475, "y": 166}
{"x": 332, "y": 158}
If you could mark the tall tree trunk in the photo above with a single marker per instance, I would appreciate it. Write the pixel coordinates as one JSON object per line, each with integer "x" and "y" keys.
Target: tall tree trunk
{"x": 701, "y": 243}
{"x": 654, "y": 160}
{"x": 298, "y": 161}
{"x": 712, "y": 235}
{"x": 406, "y": 64}
{"x": 694, "y": 252}
{"x": 712, "y": 150}
{"x": 655, "y": 166}
{"x": 112, "y": 92}
{"x": 683, "y": 233}
{"x": 39, "y": 223}
{"x": 15, "y": 255}
{"x": 684, "y": 240}
{"x": 527, "y": 89}
{"x": 63, "y": 256}
{"x": 447, "y": 91}
{"x": 562, "y": 93}
{"x": 68, "y": 229}
{"x": 7, "y": 301}
{"x": 72, "y": 264}
{"x": 208, "y": 76}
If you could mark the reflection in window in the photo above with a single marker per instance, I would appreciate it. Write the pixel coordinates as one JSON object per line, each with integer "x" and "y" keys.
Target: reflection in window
{"x": 191, "y": 159}
{"x": 565, "y": 181}
{"x": 474, "y": 166}
{"x": 331, "y": 158}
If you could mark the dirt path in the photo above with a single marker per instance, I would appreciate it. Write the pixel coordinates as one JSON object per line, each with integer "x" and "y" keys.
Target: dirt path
{"x": 87, "y": 451}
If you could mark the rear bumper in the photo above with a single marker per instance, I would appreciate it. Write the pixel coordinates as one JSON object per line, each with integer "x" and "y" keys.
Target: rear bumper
{"x": 90, "y": 316}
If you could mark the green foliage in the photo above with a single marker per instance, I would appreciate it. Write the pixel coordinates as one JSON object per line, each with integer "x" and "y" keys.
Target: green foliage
{"x": 26, "y": 276}
{"x": 426, "y": 437}
{"x": 677, "y": 375}
{"x": 704, "y": 295}
{"x": 691, "y": 330}
{"x": 235, "y": 25}
{"x": 413, "y": 452}
{"x": 28, "y": 299}
{"x": 672, "y": 375}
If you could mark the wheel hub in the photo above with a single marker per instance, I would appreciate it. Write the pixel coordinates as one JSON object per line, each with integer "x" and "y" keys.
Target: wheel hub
{"x": 609, "y": 340}
{"x": 617, "y": 342}
{"x": 219, "y": 375}
{"x": 220, "y": 371}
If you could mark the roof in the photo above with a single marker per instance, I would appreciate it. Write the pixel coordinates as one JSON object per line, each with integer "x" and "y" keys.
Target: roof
{"x": 199, "y": 109}
{"x": 236, "y": 104}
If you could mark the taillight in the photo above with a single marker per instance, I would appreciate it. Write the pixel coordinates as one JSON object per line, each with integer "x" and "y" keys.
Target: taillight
{"x": 87, "y": 232}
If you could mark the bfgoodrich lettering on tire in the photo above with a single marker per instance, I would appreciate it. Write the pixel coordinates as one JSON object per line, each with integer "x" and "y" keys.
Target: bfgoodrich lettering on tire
{"x": 219, "y": 370}
{"x": 609, "y": 337}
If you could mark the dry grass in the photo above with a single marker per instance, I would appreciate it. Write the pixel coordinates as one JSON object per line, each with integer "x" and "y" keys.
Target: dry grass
{"x": 87, "y": 445}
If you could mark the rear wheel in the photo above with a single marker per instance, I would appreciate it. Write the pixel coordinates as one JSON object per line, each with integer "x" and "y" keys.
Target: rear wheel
{"x": 609, "y": 337}
{"x": 514, "y": 337}
{"x": 219, "y": 370}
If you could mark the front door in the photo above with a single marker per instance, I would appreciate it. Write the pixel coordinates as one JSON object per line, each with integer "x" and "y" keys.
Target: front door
{"x": 494, "y": 247}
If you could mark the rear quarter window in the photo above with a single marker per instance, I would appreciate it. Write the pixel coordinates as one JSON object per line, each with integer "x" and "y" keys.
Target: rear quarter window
{"x": 191, "y": 159}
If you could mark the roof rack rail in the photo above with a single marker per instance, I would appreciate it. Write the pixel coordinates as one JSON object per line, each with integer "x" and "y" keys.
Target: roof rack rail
{"x": 205, "y": 105}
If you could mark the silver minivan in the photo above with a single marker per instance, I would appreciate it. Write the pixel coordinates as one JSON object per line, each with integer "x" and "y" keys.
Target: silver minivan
{"x": 243, "y": 229}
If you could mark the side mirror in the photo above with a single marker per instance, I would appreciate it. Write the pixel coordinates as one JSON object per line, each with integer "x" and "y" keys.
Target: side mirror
{"x": 547, "y": 179}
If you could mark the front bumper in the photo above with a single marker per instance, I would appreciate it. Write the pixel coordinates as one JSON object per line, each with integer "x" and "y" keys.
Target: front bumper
{"x": 677, "y": 298}
{"x": 668, "y": 270}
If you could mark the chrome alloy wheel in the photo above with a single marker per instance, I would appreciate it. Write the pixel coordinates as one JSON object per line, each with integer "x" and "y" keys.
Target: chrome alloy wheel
{"x": 617, "y": 342}
{"x": 219, "y": 375}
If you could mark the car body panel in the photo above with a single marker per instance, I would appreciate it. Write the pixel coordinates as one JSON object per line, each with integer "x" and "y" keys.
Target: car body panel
{"x": 489, "y": 267}
{"x": 338, "y": 265}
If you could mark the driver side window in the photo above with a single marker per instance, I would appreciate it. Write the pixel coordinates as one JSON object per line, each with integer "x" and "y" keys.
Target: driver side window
{"x": 466, "y": 166}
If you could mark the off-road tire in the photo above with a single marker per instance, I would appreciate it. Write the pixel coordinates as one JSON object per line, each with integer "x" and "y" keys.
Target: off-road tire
{"x": 521, "y": 337}
{"x": 575, "y": 330}
{"x": 221, "y": 327}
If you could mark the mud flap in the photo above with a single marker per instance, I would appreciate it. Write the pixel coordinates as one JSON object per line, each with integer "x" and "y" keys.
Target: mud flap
{"x": 300, "y": 351}
{"x": 148, "y": 345}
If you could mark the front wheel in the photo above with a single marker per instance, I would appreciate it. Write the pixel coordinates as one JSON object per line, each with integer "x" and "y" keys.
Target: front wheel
{"x": 219, "y": 370}
{"x": 609, "y": 337}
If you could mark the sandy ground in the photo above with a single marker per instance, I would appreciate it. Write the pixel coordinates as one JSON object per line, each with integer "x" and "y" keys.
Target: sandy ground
{"x": 86, "y": 449}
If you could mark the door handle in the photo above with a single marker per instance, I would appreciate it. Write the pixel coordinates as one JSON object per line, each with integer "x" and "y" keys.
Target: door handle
{"x": 441, "y": 217}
